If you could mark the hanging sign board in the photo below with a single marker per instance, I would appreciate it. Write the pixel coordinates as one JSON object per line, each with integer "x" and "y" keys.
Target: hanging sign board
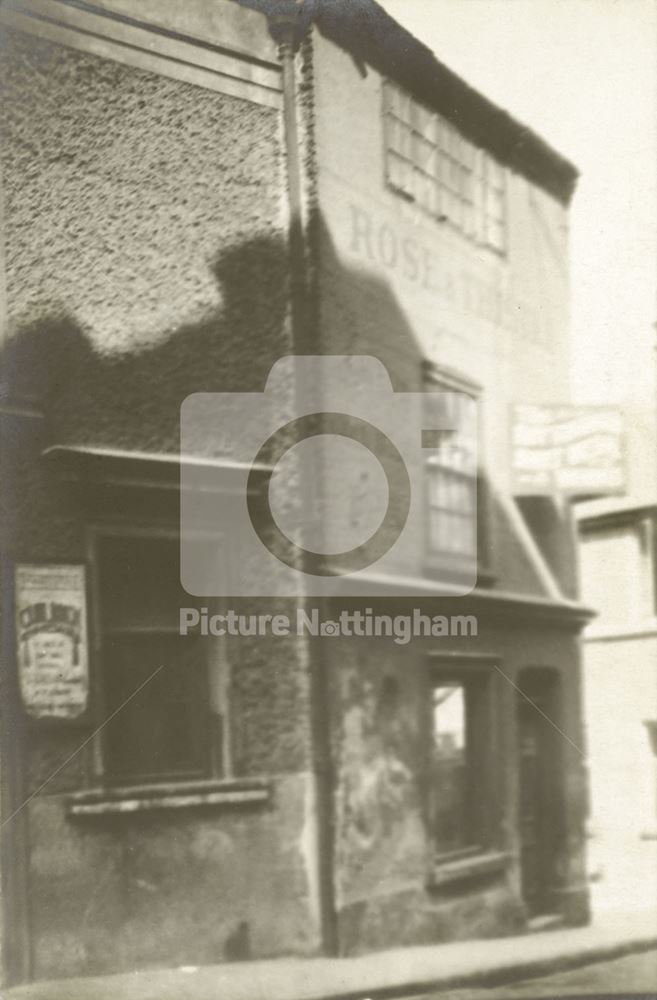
{"x": 51, "y": 638}
{"x": 574, "y": 451}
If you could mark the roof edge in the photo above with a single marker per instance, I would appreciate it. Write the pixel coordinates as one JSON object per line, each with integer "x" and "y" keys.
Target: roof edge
{"x": 365, "y": 29}
{"x": 371, "y": 35}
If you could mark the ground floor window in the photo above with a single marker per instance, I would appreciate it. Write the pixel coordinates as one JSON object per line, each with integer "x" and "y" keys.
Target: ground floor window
{"x": 154, "y": 686}
{"x": 458, "y": 772}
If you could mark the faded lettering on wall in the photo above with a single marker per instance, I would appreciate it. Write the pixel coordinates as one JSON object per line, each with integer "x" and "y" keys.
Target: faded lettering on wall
{"x": 492, "y": 299}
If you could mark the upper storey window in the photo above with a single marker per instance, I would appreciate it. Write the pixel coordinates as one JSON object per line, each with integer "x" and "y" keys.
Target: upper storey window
{"x": 429, "y": 162}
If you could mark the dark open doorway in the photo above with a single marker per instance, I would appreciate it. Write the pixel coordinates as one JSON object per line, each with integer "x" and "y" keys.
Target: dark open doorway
{"x": 540, "y": 786}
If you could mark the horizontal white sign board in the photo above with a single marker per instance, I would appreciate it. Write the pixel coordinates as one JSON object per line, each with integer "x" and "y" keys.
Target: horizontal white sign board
{"x": 568, "y": 450}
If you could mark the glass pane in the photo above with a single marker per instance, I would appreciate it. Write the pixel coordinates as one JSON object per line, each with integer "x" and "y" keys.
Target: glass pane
{"x": 457, "y": 212}
{"x": 423, "y": 190}
{"x": 398, "y": 137}
{"x": 424, "y": 155}
{"x": 449, "y": 719}
{"x": 443, "y": 168}
{"x": 400, "y": 173}
{"x": 157, "y": 686}
{"x": 455, "y": 176}
{"x": 389, "y": 97}
{"x": 140, "y": 581}
{"x": 436, "y": 489}
{"x": 468, "y": 155}
{"x": 462, "y": 535}
{"x": 450, "y": 776}
{"x": 434, "y": 202}
{"x": 494, "y": 173}
{"x": 439, "y": 530}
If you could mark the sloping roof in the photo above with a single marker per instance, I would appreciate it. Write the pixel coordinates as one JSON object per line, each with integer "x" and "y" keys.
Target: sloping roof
{"x": 371, "y": 35}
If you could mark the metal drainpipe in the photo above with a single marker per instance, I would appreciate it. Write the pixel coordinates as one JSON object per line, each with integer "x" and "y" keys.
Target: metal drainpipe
{"x": 286, "y": 27}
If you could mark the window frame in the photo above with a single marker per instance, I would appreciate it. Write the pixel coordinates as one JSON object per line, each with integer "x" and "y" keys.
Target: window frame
{"x": 476, "y": 674}
{"x": 435, "y": 378}
{"x": 457, "y": 169}
{"x": 219, "y": 762}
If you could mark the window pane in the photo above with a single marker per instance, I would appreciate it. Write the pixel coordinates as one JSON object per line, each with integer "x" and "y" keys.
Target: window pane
{"x": 463, "y": 535}
{"x": 438, "y": 530}
{"x": 471, "y": 184}
{"x": 450, "y": 772}
{"x": 424, "y": 154}
{"x": 422, "y": 119}
{"x": 424, "y": 193}
{"x": 154, "y": 683}
{"x": 400, "y": 173}
{"x": 389, "y": 97}
{"x": 494, "y": 173}
{"x": 160, "y": 730}
{"x": 452, "y": 482}
{"x": 399, "y": 137}
{"x": 139, "y": 581}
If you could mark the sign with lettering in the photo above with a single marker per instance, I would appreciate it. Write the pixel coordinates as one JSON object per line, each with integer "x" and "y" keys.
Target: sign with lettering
{"x": 574, "y": 451}
{"x": 51, "y": 637}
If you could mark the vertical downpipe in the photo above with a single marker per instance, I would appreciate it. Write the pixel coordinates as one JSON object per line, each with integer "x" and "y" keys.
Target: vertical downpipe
{"x": 285, "y": 28}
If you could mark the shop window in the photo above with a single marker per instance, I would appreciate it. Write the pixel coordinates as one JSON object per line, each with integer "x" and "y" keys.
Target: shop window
{"x": 429, "y": 162}
{"x": 459, "y": 734}
{"x": 155, "y": 684}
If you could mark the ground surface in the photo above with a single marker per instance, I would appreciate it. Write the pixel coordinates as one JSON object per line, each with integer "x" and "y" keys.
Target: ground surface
{"x": 633, "y": 974}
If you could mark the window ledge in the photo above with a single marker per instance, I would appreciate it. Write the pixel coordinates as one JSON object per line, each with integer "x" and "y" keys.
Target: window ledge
{"x": 447, "y": 872}
{"x": 146, "y": 798}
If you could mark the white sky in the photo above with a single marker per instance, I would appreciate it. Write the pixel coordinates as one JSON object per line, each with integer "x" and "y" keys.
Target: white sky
{"x": 582, "y": 73}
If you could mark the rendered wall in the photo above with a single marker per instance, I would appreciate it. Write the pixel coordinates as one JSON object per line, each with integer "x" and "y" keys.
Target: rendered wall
{"x": 400, "y": 286}
{"x": 145, "y": 237}
{"x": 397, "y": 285}
{"x": 380, "y": 721}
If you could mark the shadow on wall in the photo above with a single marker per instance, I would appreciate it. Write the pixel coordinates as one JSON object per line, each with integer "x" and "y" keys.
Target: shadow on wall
{"x": 133, "y": 402}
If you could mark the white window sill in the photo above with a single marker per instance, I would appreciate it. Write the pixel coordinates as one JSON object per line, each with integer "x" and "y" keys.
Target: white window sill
{"x": 146, "y": 798}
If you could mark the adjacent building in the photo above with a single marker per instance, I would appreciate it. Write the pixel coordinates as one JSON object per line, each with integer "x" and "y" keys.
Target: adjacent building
{"x": 618, "y": 553}
{"x": 192, "y": 192}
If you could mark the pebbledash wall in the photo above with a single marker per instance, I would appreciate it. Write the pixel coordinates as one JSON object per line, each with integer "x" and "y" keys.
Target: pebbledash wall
{"x": 147, "y": 257}
{"x": 146, "y": 227}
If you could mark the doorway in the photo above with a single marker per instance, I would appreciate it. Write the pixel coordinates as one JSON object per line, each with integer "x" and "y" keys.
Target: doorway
{"x": 540, "y": 792}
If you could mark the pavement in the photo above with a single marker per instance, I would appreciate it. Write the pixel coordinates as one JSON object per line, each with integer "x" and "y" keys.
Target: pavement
{"x": 634, "y": 974}
{"x": 394, "y": 973}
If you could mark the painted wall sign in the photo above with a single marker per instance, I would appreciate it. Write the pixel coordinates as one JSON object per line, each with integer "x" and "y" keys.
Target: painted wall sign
{"x": 571, "y": 450}
{"x": 490, "y": 296}
{"x": 415, "y": 257}
{"x": 51, "y": 637}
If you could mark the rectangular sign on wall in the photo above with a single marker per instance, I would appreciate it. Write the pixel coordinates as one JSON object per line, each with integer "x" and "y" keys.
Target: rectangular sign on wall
{"x": 51, "y": 638}
{"x": 574, "y": 451}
